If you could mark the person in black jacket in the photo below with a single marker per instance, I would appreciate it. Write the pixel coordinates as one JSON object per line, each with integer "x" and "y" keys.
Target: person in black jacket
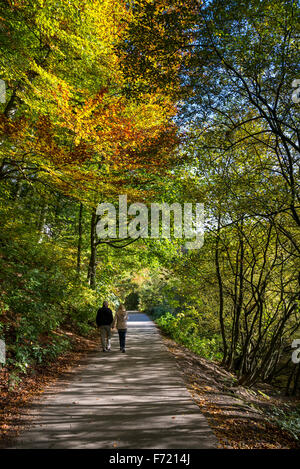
{"x": 104, "y": 321}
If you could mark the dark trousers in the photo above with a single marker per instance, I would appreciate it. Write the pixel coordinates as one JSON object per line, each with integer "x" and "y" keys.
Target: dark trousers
{"x": 122, "y": 337}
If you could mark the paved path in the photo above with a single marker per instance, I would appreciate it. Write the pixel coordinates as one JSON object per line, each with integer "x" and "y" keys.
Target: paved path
{"x": 135, "y": 400}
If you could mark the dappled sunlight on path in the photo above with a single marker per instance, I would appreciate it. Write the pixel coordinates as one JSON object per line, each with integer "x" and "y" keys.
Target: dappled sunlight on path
{"x": 115, "y": 400}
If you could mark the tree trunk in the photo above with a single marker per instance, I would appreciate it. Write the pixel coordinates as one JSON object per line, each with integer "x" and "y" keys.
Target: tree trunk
{"x": 42, "y": 220}
{"x": 221, "y": 295}
{"x": 239, "y": 304}
{"x": 296, "y": 382}
{"x": 79, "y": 245}
{"x": 93, "y": 256}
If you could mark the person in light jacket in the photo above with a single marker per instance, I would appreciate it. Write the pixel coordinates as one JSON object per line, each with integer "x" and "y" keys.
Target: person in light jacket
{"x": 120, "y": 322}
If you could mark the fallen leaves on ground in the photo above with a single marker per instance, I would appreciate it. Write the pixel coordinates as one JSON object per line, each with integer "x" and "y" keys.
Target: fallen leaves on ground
{"x": 236, "y": 414}
{"x": 15, "y": 402}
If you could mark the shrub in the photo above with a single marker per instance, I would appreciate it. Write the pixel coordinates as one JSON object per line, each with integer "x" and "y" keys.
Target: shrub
{"x": 288, "y": 420}
{"x": 160, "y": 310}
{"x": 185, "y": 329}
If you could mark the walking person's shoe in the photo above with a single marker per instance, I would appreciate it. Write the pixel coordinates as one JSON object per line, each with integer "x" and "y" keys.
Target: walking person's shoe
{"x": 123, "y": 350}
{"x": 103, "y": 350}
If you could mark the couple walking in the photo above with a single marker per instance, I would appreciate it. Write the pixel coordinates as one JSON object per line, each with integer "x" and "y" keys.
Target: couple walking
{"x": 106, "y": 323}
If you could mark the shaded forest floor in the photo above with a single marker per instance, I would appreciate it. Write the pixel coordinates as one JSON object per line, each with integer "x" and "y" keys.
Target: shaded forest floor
{"x": 239, "y": 416}
{"x": 15, "y": 402}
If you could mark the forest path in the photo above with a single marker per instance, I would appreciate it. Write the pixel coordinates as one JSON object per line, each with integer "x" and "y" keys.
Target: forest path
{"x": 114, "y": 400}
